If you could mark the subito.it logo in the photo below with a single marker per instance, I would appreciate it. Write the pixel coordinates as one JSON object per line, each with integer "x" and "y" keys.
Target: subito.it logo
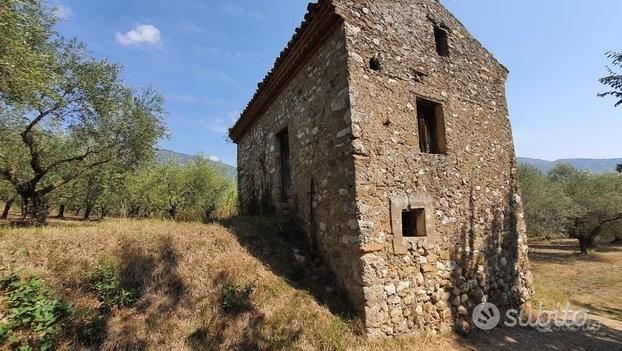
{"x": 486, "y": 316}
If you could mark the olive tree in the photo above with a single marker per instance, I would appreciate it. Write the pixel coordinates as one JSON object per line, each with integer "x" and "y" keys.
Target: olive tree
{"x": 27, "y": 57}
{"x": 598, "y": 204}
{"x": 8, "y": 196}
{"x": 210, "y": 188}
{"x": 548, "y": 210}
{"x": 89, "y": 120}
{"x": 614, "y": 79}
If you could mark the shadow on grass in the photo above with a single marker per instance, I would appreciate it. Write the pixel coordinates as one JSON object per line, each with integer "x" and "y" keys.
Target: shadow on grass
{"x": 605, "y": 311}
{"x": 525, "y": 338}
{"x": 280, "y": 244}
{"x": 563, "y": 257}
{"x": 574, "y": 247}
{"x": 158, "y": 287}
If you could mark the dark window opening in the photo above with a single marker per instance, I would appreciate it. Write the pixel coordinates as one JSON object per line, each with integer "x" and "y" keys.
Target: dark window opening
{"x": 286, "y": 179}
{"x": 431, "y": 127}
{"x": 442, "y": 41}
{"x": 413, "y": 223}
{"x": 375, "y": 63}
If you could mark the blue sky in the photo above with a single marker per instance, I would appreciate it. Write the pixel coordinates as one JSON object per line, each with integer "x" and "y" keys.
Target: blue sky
{"x": 206, "y": 57}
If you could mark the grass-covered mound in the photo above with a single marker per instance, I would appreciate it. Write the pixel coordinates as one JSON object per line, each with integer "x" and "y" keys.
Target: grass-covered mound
{"x": 157, "y": 285}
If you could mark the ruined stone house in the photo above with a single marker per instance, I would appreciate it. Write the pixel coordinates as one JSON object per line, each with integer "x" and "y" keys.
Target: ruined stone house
{"x": 384, "y": 128}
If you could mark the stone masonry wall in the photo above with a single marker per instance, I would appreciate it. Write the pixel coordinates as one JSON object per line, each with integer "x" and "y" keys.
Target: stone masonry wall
{"x": 476, "y": 250}
{"x": 315, "y": 109}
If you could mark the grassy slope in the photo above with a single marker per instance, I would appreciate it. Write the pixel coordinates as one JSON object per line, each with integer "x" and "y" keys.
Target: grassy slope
{"x": 180, "y": 269}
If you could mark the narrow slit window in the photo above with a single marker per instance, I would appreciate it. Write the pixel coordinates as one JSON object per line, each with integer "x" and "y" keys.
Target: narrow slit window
{"x": 442, "y": 41}
{"x": 431, "y": 124}
{"x": 286, "y": 179}
{"x": 413, "y": 223}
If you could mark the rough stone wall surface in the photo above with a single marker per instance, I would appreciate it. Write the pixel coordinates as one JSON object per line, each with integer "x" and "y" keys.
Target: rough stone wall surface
{"x": 314, "y": 107}
{"x": 353, "y": 131}
{"x": 477, "y": 251}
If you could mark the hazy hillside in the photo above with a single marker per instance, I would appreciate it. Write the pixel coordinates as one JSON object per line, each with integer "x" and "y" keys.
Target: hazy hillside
{"x": 587, "y": 164}
{"x": 167, "y": 155}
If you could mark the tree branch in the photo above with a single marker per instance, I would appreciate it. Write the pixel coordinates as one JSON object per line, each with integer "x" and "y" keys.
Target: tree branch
{"x": 58, "y": 184}
{"x": 616, "y": 218}
{"x": 75, "y": 158}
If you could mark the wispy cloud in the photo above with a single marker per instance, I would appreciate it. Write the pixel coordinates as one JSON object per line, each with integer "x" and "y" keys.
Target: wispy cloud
{"x": 63, "y": 12}
{"x": 238, "y": 11}
{"x": 146, "y": 34}
{"x": 193, "y": 100}
{"x": 220, "y": 125}
{"x": 218, "y": 53}
{"x": 191, "y": 27}
{"x": 183, "y": 98}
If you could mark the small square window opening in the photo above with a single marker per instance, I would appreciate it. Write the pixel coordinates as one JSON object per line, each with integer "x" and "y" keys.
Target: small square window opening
{"x": 413, "y": 223}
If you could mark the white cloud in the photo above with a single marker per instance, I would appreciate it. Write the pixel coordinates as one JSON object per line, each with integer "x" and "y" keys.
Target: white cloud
{"x": 220, "y": 125}
{"x": 63, "y": 12}
{"x": 213, "y": 158}
{"x": 141, "y": 34}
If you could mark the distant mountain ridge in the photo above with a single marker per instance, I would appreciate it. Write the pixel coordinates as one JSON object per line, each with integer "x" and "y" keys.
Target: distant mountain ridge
{"x": 168, "y": 155}
{"x": 585, "y": 164}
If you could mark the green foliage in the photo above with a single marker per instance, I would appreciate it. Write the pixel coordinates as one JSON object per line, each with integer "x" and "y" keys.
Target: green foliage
{"x": 548, "y": 210}
{"x": 36, "y": 319}
{"x": 7, "y": 192}
{"x": 614, "y": 79}
{"x": 235, "y": 299}
{"x": 106, "y": 283}
{"x": 26, "y": 59}
{"x": 194, "y": 191}
{"x": 81, "y": 120}
{"x": 619, "y": 168}
{"x": 581, "y": 205}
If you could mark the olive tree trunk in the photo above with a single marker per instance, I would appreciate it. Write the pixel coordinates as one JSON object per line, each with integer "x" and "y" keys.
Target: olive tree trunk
{"x": 7, "y": 208}
{"x": 36, "y": 208}
{"x": 61, "y": 212}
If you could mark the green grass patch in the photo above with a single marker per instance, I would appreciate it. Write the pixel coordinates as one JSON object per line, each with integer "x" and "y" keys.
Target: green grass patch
{"x": 36, "y": 317}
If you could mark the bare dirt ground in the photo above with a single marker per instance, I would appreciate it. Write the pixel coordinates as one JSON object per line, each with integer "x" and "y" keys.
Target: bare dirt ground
{"x": 182, "y": 267}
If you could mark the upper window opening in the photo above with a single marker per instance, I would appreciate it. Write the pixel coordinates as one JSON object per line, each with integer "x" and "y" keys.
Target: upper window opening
{"x": 375, "y": 63}
{"x": 286, "y": 178}
{"x": 442, "y": 41}
{"x": 431, "y": 125}
{"x": 413, "y": 223}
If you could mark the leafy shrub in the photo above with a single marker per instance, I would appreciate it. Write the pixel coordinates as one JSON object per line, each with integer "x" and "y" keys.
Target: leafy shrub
{"x": 106, "y": 283}
{"x": 235, "y": 299}
{"x": 35, "y": 317}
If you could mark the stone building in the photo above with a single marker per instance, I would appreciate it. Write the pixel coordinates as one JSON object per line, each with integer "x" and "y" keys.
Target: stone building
{"x": 384, "y": 127}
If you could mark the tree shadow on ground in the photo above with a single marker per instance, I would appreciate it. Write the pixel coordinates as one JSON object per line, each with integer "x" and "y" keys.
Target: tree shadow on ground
{"x": 280, "y": 244}
{"x": 526, "y": 338}
{"x": 158, "y": 287}
{"x": 574, "y": 247}
{"x": 253, "y": 330}
{"x": 563, "y": 257}
{"x": 611, "y": 312}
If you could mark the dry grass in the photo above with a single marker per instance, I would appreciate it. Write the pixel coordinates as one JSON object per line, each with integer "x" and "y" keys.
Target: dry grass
{"x": 592, "y": 282}
{"x": 181, "y": 269}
